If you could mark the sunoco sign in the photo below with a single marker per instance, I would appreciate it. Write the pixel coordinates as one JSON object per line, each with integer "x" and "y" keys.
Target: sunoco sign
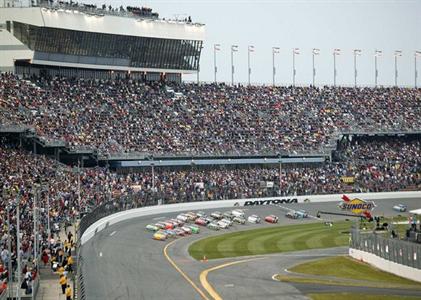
{"x": 271, "y": 202}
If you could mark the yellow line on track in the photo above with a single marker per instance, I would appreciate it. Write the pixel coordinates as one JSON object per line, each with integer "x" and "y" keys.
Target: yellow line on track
{"x": 182, "y": 273}
{"x": 204, "y": 280}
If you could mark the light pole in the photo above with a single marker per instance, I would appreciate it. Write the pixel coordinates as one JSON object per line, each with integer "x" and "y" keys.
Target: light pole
{"x": 416, "y": 54}
{"x": 314, "y": 53}
{"x": 275, "y": 50}
{"x": 294, "y": 72}
{"x": 216, "y": 47}
{"x": 357, "y": 52}
{"x": 377, "y": 53}
{"x": 234, "y": 48}
{"x": 18, "y": 245}
{"x": 249, "y": 50}
{"x": 280, "y": 175}
{"x": 396, "y": 54}
{"x": 335, "y": 52}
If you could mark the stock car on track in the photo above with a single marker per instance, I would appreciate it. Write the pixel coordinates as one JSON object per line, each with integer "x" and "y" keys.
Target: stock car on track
{"x": 169, "y": 225}
{"x": 182, "y": 218}
{"x": 400, "y": 207}
{"x": 228, "y": 215}
{"x": 170, "y": 233}
{"x": 302, "y": 213}
{"x": 180, "y": 232}
{"x": 254, "y": 219}
{"x": 238, "y": 213}
{"x": 191, "y": 216}
{"x": 194, "y": 229}
{"x": 213, "y": 226}
{"x": 216, "y": 215}
{"x": 151, "y": 227}
{"x": 272, "y": 219}
{"x": 186, "y": 229}
{"x": 201, "y": 222}
{"x": 160, "y": 225}
{"x": 201, "y": 214}
{"x": 159, "y": 236}
{"x": 239, "y": 220}
{"x": 222, "y": 224}
{"x": 228, "y": 221}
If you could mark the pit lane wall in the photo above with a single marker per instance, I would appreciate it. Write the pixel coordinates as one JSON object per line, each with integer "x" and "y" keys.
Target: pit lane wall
{"x": 171, "y": 208}
{"x": 386, "y": 265}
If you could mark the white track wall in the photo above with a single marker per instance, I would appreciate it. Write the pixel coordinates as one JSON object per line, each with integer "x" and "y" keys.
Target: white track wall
{"x": 386, "y": 265}
{"x": 171, "y": 208}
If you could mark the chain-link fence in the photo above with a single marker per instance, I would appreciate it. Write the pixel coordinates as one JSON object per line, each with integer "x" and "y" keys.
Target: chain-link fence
{"x": 392, "y": 249}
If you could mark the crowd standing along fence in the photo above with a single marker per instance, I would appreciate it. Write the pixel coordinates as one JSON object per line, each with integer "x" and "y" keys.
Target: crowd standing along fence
{"x": 391, "y": 249}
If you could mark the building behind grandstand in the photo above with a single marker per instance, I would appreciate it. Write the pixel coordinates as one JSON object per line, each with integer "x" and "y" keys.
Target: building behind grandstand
{"x": 79, "y": 40}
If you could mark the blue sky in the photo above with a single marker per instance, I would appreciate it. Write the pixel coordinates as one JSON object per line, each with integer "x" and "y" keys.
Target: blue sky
{"x": 360, "y": 24}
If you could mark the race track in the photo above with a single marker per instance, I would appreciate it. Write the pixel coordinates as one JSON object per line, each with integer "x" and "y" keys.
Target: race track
{"x": 123, "y": 262}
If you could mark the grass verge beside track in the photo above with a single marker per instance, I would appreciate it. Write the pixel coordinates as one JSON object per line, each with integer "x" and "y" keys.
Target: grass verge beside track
{"x": 349, "y": 296}
{"x": 272, "y": 240}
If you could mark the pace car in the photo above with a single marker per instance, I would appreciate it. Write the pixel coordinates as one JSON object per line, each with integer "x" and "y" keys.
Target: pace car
{"x": 400, "y": 207}
{"x": 254, "y": 219}
{"x": 271, "y": 219}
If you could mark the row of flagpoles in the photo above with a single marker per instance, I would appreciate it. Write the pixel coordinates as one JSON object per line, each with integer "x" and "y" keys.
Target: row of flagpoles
{"x": 315, "y": 52}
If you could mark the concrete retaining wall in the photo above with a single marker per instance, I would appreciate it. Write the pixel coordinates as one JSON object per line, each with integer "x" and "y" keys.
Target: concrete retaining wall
{"x": 386, "y": 265}
{"x": 170, "y": 208}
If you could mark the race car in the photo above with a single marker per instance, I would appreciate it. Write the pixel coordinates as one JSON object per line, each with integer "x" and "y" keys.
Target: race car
{"x": 177, "y": 223}
{"x": 254, "y": 219}
{"x": 209, "y": 219}
{"x": 170, "y": 233}
{"x": 151, "y": 227}
{"x": 169, "y": 225}
{"x": 222, "y": 224}
{"x": 191, "y": 216}
{"x": 302, "y": 213}
{"x": 213, "y": 226}
{"x": 160, "y": 225}
{"x": 159, "y": 236}
{"x": 271, "y": 219}
{"x": 182, "y": 217}
{"x": 180, "y": 232}
{"x": 186, "y": 229}
{"x": 400, "y": 207}
{"x": 216, "y": 215}
{"x": 201, "y": 222}
{"x": 239, "y": 220}
{"x": 228, "y": 221}
{"x": 238, "y": 213}
{"x": 201, "y": 214}
{"x": 292, "y": 214}
{"x": 228, "y": 215}
{"x": 194, "y": 229}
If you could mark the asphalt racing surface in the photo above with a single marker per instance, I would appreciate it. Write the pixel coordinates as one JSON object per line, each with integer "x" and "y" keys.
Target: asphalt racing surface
{"x": 123, "y": 262}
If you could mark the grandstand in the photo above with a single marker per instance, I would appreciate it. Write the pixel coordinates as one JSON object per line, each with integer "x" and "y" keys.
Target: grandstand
{"x": 77, "y": 40}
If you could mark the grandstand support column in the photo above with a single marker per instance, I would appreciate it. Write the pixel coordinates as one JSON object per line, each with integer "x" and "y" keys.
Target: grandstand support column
{"x": 250, "y": 49}
{"x": 9, "y": 249}
{"x": 19, "y": 268}
{"x": 275, "y": 50}
{"x": 396, "y": 54}
{"x": 216, "y": 47}
{"x": 416, "y": 55}
{"x": 234, "y": 48}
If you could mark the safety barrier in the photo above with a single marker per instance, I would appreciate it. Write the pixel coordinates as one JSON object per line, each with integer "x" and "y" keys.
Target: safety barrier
{"x": 111, "y": 212}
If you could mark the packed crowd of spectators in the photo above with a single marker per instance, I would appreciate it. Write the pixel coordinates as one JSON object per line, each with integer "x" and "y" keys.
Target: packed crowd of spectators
{"x": 132, "y": 116}
{"x": 390, "y": 165}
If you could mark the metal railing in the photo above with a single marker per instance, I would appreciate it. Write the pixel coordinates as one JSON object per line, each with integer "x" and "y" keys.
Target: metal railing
{"x": 392, "y": 249}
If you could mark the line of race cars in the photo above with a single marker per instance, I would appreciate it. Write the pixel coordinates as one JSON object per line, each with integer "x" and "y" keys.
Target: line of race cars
{"x": 190, "y": 222}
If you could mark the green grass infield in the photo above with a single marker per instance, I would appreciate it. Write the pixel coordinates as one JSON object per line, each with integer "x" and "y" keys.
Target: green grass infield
{"x": 272, "y": 240}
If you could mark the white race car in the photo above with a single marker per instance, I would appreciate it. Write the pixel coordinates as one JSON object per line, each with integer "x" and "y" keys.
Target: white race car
{"x": 222, "y": 224}
{"x": 254, "y": 219}
{"x": 400, "y": 207}
{"x": 216, "y": 215}
{"x": 238, "y": 213}
{"x": 182, "y": 217}
{"x": 239, "y": 220}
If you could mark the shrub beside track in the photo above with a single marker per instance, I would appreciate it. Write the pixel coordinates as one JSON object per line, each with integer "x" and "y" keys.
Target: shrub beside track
{"x": 272, "y": 240}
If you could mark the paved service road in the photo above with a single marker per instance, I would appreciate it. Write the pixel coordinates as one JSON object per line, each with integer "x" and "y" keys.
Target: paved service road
{"x": 123, "y": 262}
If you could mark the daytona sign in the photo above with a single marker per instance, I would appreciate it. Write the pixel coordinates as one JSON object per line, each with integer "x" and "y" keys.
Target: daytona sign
{"x": 271, "y": 202}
